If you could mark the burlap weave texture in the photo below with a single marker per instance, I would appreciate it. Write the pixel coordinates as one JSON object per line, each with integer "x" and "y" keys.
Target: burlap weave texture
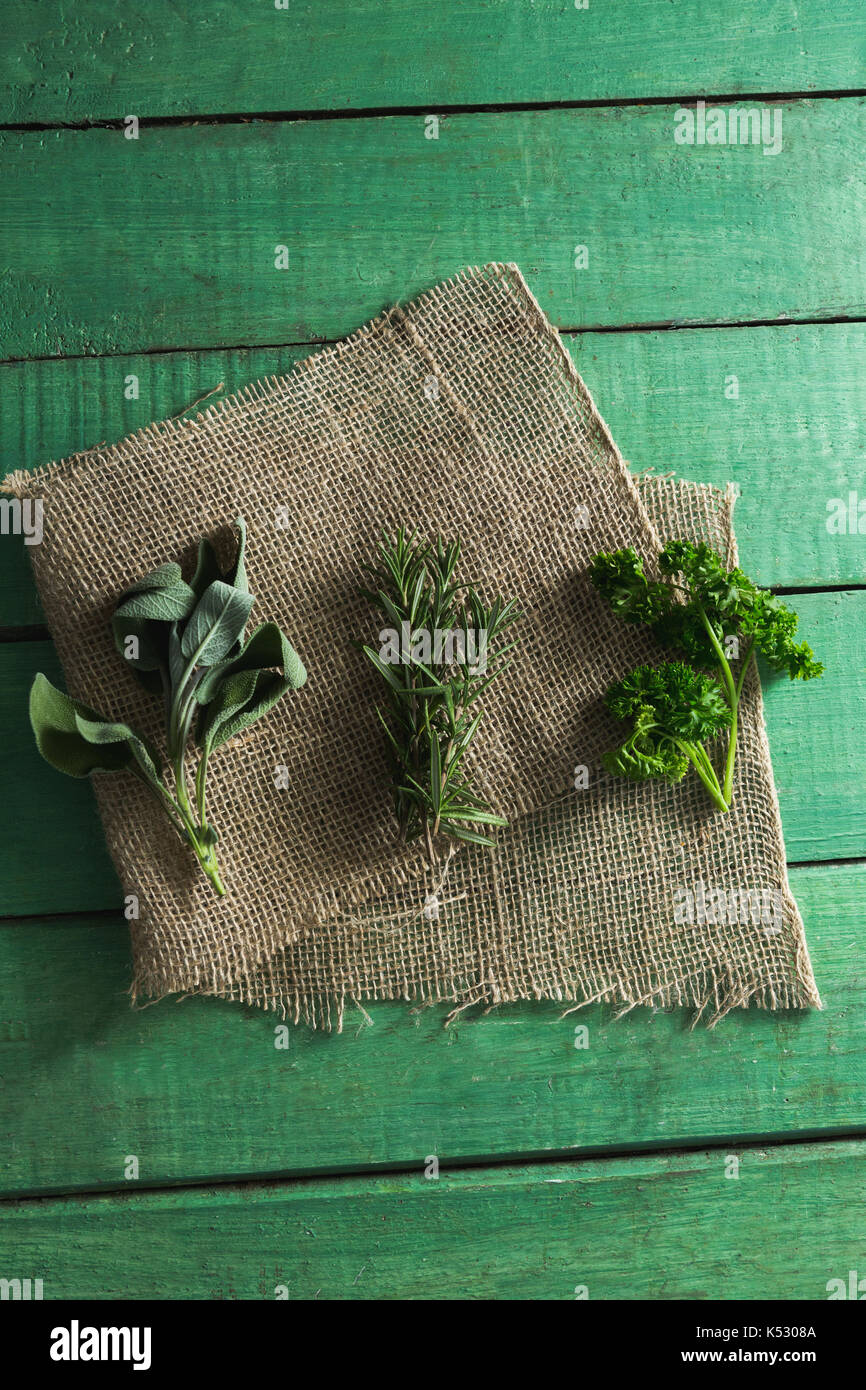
{"x": 460, "y": 414}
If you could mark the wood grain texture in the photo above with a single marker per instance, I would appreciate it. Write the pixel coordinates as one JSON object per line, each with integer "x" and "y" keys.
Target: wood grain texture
{"x": 168, "y": 241}
{"x": 52, "y": 848}
{"x": 815, "y": 732}
{"x": 52, "y": 857}
{"x": 655, "y": 1227}
{"x": 199, "y": 1091}
{"x": 797, "y": 428}
{"x": 120, "y": 247}
{"x": 793, "y": 437}
{"x": 68, "y": 62}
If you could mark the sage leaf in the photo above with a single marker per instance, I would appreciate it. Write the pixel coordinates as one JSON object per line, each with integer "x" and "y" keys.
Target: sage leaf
{"x": 103, "y": 733}
{"x": 266, "y": 647}
{"x": 216, "y": 624}
{"x": 207, "y": 568}
{"x": 159, "y": 605}
{"x": 240, "y": 701}
{"x": 147, "y": 655}
{"x": 53, "y": 718}
{"x": 176, "y": 664}
{"x": 237, "y": 575}
{"x": 161, "y": 595}
{"x": 149, "y": 651}
{"x": 163, "y": 577}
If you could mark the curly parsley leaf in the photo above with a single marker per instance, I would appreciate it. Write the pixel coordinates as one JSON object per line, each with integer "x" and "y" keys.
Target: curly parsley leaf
{"x": 696, "y": 608}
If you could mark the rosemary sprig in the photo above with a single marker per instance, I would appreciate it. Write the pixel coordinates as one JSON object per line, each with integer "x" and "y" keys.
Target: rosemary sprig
{"x": 440, "y": 652}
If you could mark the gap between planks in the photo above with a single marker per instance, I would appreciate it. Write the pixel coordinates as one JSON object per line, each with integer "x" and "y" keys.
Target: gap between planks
{"x": 33, "y": 632}
{"x": 651, "y": 326}
{"x": 490, "y": 108}
{"x": 497, "y": 1163}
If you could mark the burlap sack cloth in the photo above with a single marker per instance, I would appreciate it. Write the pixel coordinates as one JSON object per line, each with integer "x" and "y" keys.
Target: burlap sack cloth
{"x": 461, "y": 414}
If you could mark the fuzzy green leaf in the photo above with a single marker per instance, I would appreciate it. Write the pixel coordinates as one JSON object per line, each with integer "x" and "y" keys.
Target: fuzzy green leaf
{"x": 237, "y": 575}
{"x": 177, "y": 663}
{"x": 152, "y": 649}
{"x": 166, "y": 577}
{"x": 150, "y": 642}
{"x": 54, "y": 719}
{"x": 240, "y": 701}
{"x": 216, "y": 624}
{"x": 158, "y": 605}
{"x": 102, "y": 733}
{"x": 267, "y": 647}
{"x": 207, "y": 568}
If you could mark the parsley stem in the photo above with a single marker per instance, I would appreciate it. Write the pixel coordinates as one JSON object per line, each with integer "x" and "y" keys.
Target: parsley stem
{"x": 745, "y": 667}
{"x": 705, "y": 771}
{"x": 732, "y": 738}
{"x": 727, "y": 677}
{"x": 733, "y": 692}
{"x": 728, "y": 787}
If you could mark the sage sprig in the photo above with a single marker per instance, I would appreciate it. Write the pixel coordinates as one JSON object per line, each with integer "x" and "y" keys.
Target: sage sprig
{"x": 185, "y": 642}
{"x": 440, "y": 653}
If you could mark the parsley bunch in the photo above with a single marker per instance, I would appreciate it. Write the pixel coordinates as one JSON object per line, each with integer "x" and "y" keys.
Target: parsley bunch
{"x": 441, "y": 651}
{"x": 712, "y": 616}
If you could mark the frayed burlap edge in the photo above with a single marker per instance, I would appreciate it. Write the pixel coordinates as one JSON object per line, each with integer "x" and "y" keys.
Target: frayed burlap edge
{"x": 408, "y": 867}
{"x": 709, "y": 992}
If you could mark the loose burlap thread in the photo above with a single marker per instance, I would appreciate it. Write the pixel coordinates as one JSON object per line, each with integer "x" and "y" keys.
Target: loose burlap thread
{"x": 460, "y": 414}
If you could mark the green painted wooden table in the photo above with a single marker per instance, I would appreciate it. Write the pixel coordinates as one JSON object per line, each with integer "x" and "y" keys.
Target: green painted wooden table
{"x": 285, "y": 1167}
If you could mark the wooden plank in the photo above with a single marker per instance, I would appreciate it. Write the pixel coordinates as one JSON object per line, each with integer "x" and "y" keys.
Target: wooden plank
{"x": 52, "y": 857}
{"x": 793, "y": 437}
{"x": 52, "y": 849}
{"x": 199, "y": 1090}
{"x": 661, "y": 1227}
{"x": 51, "y": 408}
{"x": 63, "y": 64}
{"x": 116, "y": 245}
{"x": 801, "y": 406}
{"x": 813, "y": 731}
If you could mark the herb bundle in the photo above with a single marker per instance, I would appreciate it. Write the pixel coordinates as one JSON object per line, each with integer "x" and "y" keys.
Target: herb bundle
{"x": 712, "y": 616}
{"x": 185, "y": 643}
{"x": 441, "y": 652}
